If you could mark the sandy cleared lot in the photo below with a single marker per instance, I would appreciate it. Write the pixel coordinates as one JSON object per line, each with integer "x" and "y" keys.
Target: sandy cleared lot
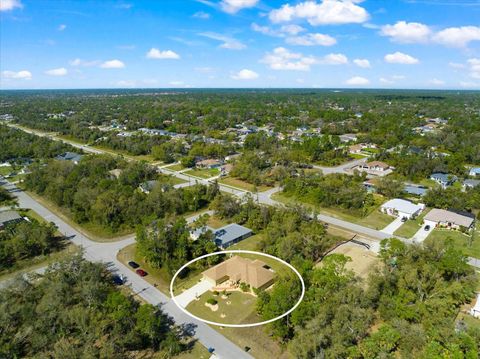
{"x": 363, "y": 260}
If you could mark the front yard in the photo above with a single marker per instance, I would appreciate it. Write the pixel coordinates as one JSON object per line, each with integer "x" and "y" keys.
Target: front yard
{"x": 460, "y": 240}
{"x": 203, "y": 173}
{"x": 410, "y": 227}
{"x": 238, "y": 183}
{"x": 234, "y": 309}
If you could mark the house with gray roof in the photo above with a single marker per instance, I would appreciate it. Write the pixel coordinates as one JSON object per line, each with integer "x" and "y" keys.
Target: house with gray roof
{"x": 70, "y": 156}
{"x": 8, "y": 218}
{"x": 443, "y": 179}
{"x": 474, "y": 172}
{"x": 231, "y": 234}
{"x": 470, "y": 183}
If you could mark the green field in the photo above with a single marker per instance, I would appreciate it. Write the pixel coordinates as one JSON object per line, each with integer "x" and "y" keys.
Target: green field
{"x": 233, "y": 310}
{"x": 203, "y": 173}
{"x": 410, "y": 227}
{"x": 375, "y": 219}
{"x": 175, "y": 167}
{"x": 5, "y": 170}
{"x": 460, "y": 240}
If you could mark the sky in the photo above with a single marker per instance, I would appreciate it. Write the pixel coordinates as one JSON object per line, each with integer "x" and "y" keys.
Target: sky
{"x": 428, "y": 44}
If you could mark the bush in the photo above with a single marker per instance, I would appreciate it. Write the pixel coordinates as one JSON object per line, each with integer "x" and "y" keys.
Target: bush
{"x": 244, "y": 287}
{"x": 215, "y": 292}
{"x": 212, "y": 301}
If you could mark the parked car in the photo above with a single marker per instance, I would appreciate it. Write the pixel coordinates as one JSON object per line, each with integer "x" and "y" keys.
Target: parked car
{"x": 427, "y": 227}
{"x": 211, "y": 350}
{"x": 133, "y": 264}
{"x": 141, "y": 272}
{"x": 404, "y": 219}
{"x": 118, "y": 279}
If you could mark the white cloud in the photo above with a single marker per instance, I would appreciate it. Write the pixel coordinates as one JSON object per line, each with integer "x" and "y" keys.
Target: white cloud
{"x": 245, "y": 74}
{"x": 474, "y": 65}
{"x": 364, "y": 63}
{"x": 266, "y": 30}
{"x": 401, "y": 58}
{"x": 227, "y": 42}
{"x": 154, "y": 53}
{"x": 112, "y": 64}
{"x": 201, "y": 15}
{"x": 324, "y": 13}
{"x": 407, "y": 32}
{"x": 457, "y": 36}
{"x": 7, "y": 5}
{"x": 292, "y": 29}
{"x": 84, "y": 63}
{"x": 456, "y": 65}
{"x": 334, "y": 59}
{"x": 62, "y": 71}
{"x": 436, "y": 82}
{"x": 311, "y": 40}
{"x": 22, "y": 75}
{"x": 357, "y": 81}
{"x": 61, "y": 27}
{"x": 233, "y": 6}
{"x": 282, "y": 59}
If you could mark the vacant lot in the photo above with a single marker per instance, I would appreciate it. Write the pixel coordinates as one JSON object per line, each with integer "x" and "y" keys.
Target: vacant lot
{"x": 238, "y": 183}
{"x": 203, "y": 173}
{"x": 363, "y": 260}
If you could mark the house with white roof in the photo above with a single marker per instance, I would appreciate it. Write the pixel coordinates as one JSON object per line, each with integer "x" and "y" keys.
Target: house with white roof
{"x": 474, "y": 172}
{"x": 402, "y": 208}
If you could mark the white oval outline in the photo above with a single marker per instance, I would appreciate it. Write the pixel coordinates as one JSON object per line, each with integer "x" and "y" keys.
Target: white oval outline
{"x": 237, "y": 325}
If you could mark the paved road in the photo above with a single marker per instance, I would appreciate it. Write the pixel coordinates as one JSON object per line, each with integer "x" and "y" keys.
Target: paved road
{"x": 106, "y": 253}
{"x": 342, "y": 168}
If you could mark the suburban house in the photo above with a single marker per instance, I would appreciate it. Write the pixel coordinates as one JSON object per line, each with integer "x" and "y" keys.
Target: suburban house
{"x": 470, "y": 183}
{"x": 348, "y": 137}
{"x": 9, "y": 217}
{"x": 147, "y": 187}
{"x": 443, "y": 179}
{"x": 375, "y": 168}
{"x": 370, "y": 185}
{"x": 70, "y": 156}
{"x": 225, "y": 236}
{"x": 241, "y": 270}
{"x": 225, "y": 169}
{"x": 401, "y": 208}
{"x": 415, "y": 190}
{"x": 474, "y": 172}
{"x": 448, "y": 219}
{"x": 115, "y": 173}
{"x": 233, "y": 156}
{"x": 355, "y": 148}
{"x": 208, "y": 163}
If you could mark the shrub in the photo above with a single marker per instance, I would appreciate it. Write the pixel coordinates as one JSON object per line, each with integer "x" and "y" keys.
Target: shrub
{"x": 244, "y": 287}
{"x": 212, "y": 301}
{"x": 215, "y": 292}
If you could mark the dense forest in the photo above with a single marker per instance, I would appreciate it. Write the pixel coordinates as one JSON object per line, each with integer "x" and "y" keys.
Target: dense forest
{"x": 93, "y": 195}
{"x": 78, "y": 313}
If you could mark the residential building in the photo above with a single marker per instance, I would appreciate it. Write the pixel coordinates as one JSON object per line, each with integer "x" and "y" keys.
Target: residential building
{"x": 8, "y": 218}
{"x": 355, "y": 148}
{"x": 448, "y": 219}
{"x": 147, "y": 186}
{"x": 348, "y": 137}
{"x": 241, "y": 270}
{"x": 231, "y": 234}
{"x": 375, "y": 168}
{"x": 474, "y": 172}
{"x": 70, "y": 156}
{"x": 208, "y": 163}
{"x": 443, "y": 179}
{"x": 415, "y": 190}
{"x": 402, "y": 208}
{"x": 470, "y": 183}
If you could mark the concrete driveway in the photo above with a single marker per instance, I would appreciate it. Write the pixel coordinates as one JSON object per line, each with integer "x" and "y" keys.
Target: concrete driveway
{"x": 421, "y": 234}
{"x": 191, "y": 293}
{"x": 392, "y": 227}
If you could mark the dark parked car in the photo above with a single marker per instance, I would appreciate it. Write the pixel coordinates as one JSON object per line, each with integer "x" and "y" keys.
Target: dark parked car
{"x": 211, "y": 350}
{"x": 427, "y": 228}
{"x": 118, "y": 279}
{"x": 141, "y": 272}
{"x": 404, "y": 219}
{"x": 133, "y": 264}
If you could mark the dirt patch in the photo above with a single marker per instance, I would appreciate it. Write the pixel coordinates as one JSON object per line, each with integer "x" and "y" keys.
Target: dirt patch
{"x": 213, "y": 308}
{"x": 363, "y": 260}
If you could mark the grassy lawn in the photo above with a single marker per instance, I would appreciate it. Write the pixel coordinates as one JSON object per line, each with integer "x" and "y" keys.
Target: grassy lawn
{"x": 93, "y": 231}
{"x": 236, "y": 182}
{"x": 235, "y": 309}
{"x": 249, "y": 244}
{"x": 375, "y": 219}
{"x": 175, "y": 180}
{"x": 410, "y": 227}
{"x": 215, "y": 222}
{"x": 155, "y": 276}
{"x": 197, "y": 351}
{"x": 460, "y": 240}
{"x": 203, "y": 173}
{"x": 357, "y": 156}
{"x": 175, "y": 167}
{"x": 31, "y": 264}
{"x": 5, "y": 170}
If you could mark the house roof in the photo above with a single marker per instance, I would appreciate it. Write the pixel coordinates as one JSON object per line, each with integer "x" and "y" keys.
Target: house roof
{"x": 402, "y": 205}
{"x": 377, "y": 164}
{"x": 208, "y": 162}
{"x": 475, "y": 170}
{"x": 416, "y": 190}
{"x": 8, "y": 216}
{"x": 149, "y": 185}
{"x": 243, "y": 270}
{"x": 471, "y": 182}
{"x": 442, "y": 215}
{"x": 443, "y": 177}
{"x": 69, "y": 156}
{"x": 229, "y": 233}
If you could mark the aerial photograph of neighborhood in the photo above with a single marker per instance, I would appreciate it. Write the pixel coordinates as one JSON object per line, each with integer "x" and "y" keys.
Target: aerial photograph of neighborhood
{"x": 269, "y": 179}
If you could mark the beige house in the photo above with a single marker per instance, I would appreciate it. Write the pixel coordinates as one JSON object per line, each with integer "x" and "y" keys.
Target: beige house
{"x": 239, "y": 269}
{"x": 447, "y": 219}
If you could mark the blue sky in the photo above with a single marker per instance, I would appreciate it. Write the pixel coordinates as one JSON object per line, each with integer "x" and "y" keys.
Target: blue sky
{"x": 240, "y": 43}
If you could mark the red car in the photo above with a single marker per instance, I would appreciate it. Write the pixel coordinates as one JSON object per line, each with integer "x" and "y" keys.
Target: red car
{"x": 141, "y": 272}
